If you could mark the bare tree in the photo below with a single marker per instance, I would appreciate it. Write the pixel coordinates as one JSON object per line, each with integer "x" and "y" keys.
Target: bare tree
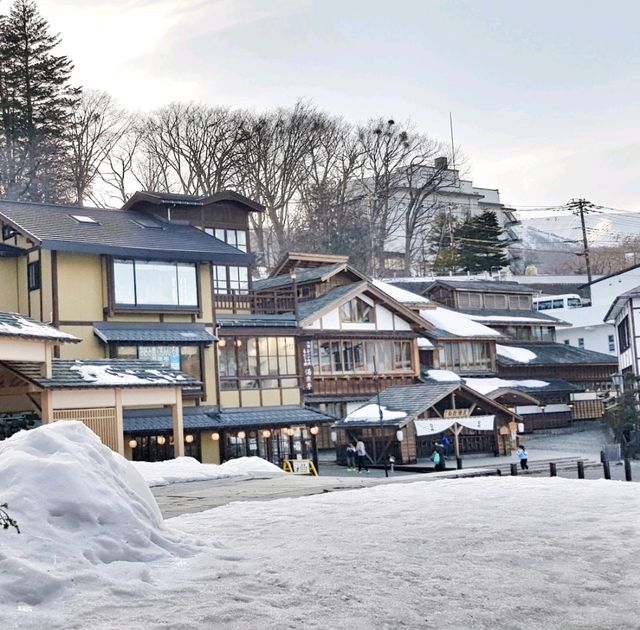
{"x": 95, "y": 127}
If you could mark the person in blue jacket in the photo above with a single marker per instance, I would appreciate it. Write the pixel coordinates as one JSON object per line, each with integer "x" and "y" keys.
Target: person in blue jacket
{"x": 523, "y": 456}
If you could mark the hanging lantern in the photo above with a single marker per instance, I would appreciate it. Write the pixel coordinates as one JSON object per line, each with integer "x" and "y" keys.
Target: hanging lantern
{"x": 215, "y": 436}
{"x": 161, "y": 440}
{"x": 188, "y": 438}
{"x": 314, "y": 430}
{"x": 290, "y": 432}
{"x": 242, "y": 435}
{"x": 222, "y": 343}
{"x": 266, "y": 433}
{"x": 133, "y": 443}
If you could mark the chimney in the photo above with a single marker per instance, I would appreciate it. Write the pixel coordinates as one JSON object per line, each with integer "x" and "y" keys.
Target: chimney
{"x": 440, "y": 163}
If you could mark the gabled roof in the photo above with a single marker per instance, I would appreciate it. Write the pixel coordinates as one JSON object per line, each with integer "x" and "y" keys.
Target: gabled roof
{"x": 179, "y": 199}
{"x": 619, "y": 302}
{"x": 297, "y": 260}
{"x": 184, "y": 334}
{"x": 485, "y": 286}
{"x": 16, "y": 325}
{"x": 118, "y": 233}
{"x": 518, "y": 318}
{"x": 305, "y": 276}
{"x": 558, "y": 354}
{"x": 101, "y": 373}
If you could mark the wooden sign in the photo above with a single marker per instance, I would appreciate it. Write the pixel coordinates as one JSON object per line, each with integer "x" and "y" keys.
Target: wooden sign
{"x": 300, "y": 467}
{"x": 457, "y": 413}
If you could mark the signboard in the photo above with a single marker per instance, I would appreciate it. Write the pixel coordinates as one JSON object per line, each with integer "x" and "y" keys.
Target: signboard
{"x": 300, "y": 467}
{"x": 307, "y": 368}
{"x": 457, "y": 413}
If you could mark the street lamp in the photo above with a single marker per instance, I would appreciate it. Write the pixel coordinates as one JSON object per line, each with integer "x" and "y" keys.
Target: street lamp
{"x": 618, "y": 382}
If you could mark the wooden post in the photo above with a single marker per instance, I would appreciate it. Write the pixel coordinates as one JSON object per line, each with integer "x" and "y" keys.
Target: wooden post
{"x": 119, "y": 422}
{"x": 607, "y": 470}
{"x": 178, "y": 425}
{"x": 580, "y": 469}
{"x": 47, "y": 406}
{"x": 553, "y": 470}
{"x": 627, "y": 469}
{"x": 514, "y": 470}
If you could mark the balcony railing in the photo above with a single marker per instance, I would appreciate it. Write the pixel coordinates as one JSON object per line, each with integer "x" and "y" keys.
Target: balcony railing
{"x": 259, "y": 303}
{"x": 359, "y": 385}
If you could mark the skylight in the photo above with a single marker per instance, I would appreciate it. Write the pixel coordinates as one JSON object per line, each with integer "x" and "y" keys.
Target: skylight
{"x": 147, "y": 222}
{"x": 82, "y": 218}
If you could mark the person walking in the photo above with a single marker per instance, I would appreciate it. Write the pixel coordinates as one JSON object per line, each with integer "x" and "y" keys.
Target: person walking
{"x": 523, "y": 456}
{"x": 437, "y": 459}
{"x": 361, "y": 452}
{"x": 351, "y": 457}
{"x": 446, "y": 442}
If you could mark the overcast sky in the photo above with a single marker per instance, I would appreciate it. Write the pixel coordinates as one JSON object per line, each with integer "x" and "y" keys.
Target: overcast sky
{"x": 544, "y": 94}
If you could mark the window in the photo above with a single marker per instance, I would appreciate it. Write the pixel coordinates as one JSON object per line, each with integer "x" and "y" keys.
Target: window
{"x": 183, "y": 358}
{"x": 495, "y": 300}
{"x": 147, "y": 222}
{"x": 624, "y": 338}
{"x": 257, "y": 362}
{"x": 153, "y": 283}
{"x": 580, "y": 342}
{"x": 469, "y": 300}
{"x": 235, "y": 238}
{"x": 466, "y": 356}
{"x": 566, "y": 342}
{"x": 356, "y": 311}
{"x": 230, "y": 279}
{"x": 81, "y": 218}
{"x": 574, "y": 302}
{"x": 519, "y": 303}
{"x": 612, "y": 343}
{"x": 7, "y": 232}
{"x": 360, "y": 357}
{"x": 33, "y": 275}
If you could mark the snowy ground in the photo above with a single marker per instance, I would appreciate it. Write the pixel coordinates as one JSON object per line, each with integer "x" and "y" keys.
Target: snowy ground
{"x": 470, "y": 553}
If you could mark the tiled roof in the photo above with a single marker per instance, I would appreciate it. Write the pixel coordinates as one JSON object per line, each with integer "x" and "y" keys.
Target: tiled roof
{"x": 16, "y": 325}
{"x": 308, "y": 308}
{"x": 180, "y": 199}
{"x": 498, "y": 316}
{"x": 184, "y": 334}
{"x": 414, "y": 398}
{"x": 117, "y": 233}
{"x": 212, "y": 418}
{"x": 246, "y": 320}
{"x": 313, "y": 274}
{"x": 493, "y": 286}
{"x": 97, "y": 373}
{"x": 558, "y": 354}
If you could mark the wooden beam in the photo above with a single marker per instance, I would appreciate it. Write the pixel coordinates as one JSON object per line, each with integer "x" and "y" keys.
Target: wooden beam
{"x": 119, "y": 423}
{"x": 47, "y": 406}
{"x": 178, "y": 425}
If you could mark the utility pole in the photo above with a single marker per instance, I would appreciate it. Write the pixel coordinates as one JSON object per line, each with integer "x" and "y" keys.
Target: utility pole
{"x": 580, "y": 207}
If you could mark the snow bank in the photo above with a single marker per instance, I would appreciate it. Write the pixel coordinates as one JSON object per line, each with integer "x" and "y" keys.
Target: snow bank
{"x": 444, "y": 376}
{"x": 521, "y": 355}
{"x": 80, "y": 507}
{"x": 456, "y": 323}
{"x": 184, "y": 469}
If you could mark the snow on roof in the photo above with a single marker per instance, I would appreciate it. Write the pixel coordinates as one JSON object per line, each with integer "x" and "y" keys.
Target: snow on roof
{"x": 457, "y": 324}
{"x": 183, "y": 469}
{"x": 371, "y": 413}
{"x": 521, "y": 355}
{"x": 82, "y": 510}
{"x": 16, "y": 325}
{"x": 424, "y": 343}
{"x": 400, "y": 295}
{"x": 107, "y": 375}
{"x": 515, "y": 318}
{"x": 485, "y": 386}
{"x": 443, "y": 376}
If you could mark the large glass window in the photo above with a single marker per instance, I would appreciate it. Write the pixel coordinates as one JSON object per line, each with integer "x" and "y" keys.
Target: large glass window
{"x": 466, "y": 356}
{"x": 624, "y": 337}
{"x": 360, "y": 357}
{"x": 257, "y": 362}
{"x": 154, "y": 283}
{"x": 230, "y": 279}
{"x": 183, "y": 358}
{"x": 235, "y": 238}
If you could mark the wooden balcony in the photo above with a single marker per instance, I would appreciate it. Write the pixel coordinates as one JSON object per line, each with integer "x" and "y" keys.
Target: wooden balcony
{"x": 257, "y": 303}
{"x": 357, "y": 385}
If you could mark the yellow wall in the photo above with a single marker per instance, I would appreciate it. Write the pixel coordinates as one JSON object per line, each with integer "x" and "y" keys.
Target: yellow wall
{"x": 46, "y": 284}
{"x": 271, "y": 397}
{"x": 9, "y": 284}
{"x": 209, "y": 368}
{"x": 89, "y": 348}
{"x": 291, "y": 396}
{"x": 250, "y": 398}
{"x": 80, "y": 295}
{"x": 230, "y": 399}
{"x": 210, "y": 449}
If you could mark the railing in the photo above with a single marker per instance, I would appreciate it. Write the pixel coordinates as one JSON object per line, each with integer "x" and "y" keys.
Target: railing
{"x": 360, "y": 385}
{"x": 259, "y": 303}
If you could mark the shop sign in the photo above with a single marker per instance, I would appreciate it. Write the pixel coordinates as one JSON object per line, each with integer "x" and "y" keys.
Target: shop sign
{"x": 457, "y": 413}
{"x": 307, "y": 368}
{"x": 300, "y": 467}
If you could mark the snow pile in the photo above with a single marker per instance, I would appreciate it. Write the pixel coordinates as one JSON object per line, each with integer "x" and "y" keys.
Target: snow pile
{"x": 400, "y": 295}
{"x": 83, "y": 511}
{"x": 183, "y": 469}
{"x": 487, "y": 385}
{"x": 15, "y": 324}
{"x": 443, "y": 376}
{"x": 371, "y": 413}
{"x": 112, "y": 375}
{"x": 456, "y": 323}
{"x": 521, "y": 355}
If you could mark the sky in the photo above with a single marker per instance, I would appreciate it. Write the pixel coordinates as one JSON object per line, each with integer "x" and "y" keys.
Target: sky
{"x": 544, "y": 94}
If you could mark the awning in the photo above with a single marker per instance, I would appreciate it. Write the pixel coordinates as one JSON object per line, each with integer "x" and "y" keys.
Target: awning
{"x": 438, "y": 425}
{"x": 147, "y": 333}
